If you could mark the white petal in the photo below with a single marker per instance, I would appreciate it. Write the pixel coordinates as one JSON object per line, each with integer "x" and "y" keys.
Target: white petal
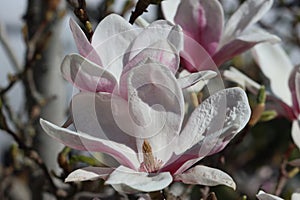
{"x": 111, "y": 40}
{"x": 169, "y": 9}
{"x": 295, "y": 196}
{"x": 86, "y": 75}
{"x": 296, "y": 133}
{"x": 128, "y": 181}
{"x": 265, "y": 196}
{"x": 248, "y": 13}
{"x": 215, "y": 121}
{"x": 156, "y": 31}
{"x": 191, "y": 79}
{"x": 276, "y": 66}
{"x": 156, "y": 106}
{"x": 89, "y": 173}
{"x": 98, "y": 115}
{"x": 207, "y": 176}
{"x": 85, "y": 142}
{"x": 241, "y": 79}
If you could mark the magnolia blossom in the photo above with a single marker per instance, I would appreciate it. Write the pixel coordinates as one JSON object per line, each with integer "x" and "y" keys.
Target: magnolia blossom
{"x": 284, "y": 82}
{"x": 265, "y": 196}
{"x": 203, "y": 23}
{"x": 133, "y": 108}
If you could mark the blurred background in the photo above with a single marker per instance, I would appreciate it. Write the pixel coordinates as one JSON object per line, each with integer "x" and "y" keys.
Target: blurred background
{"x": 35, "y": 36}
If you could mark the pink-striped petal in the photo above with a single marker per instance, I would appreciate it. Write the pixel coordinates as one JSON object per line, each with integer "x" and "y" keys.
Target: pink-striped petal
{"x": 83, "y": 45}
{"x": 82, "y": 141}
{"x": 242, "y": 43}
{"x": 203, "y": 21}
{"x": 87, "y": 76}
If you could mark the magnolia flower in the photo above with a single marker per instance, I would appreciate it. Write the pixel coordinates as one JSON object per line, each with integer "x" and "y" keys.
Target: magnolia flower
{"x": 135, "y": 113}
{"x": 148, "y": 141}
{"x": 203, "y": 21}
{"x": 265, "y": 196}
{"x": 284, "y": 82}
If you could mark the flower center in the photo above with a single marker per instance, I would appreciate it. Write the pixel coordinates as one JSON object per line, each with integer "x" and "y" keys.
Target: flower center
{"x": 150, "y": 163}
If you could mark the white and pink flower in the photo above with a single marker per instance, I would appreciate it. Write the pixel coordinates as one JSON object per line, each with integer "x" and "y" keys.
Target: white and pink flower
{"x": 203, "y": 21}
{"x": 131, "y": 107}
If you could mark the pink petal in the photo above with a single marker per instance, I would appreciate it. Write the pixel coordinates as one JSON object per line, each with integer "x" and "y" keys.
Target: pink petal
{"x": 247, "y": 14}
{"x": 243, "y": 43}
{"x": 265, "y": 196}
{"x": 276, "y": 66}
{"x": 104, "y": 116}
{"x": 111, "y": 40}
{"x": 83, "y": 45}
{"x": 129, "y": 181}
{"x": 207, "y": 176}
{"x": 296, "y": 133}
{"x": 195, "y": 58}
{"x": 81, "y": 141}
{"x": 88, "y": 174}
{"x": 201, "y": 20}
{"x": 156, "y": 106}
{"x": 86, "y": 75}
{"x": 157, "y": 31}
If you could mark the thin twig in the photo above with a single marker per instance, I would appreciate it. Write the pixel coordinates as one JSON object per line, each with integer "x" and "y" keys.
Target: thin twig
{"x": 10, "y": 53}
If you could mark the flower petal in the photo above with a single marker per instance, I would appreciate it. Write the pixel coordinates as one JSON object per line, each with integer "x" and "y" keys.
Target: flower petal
{"x": 82, "y": 141}
{"x": 205, "y": 176}
{"x": 211, "y": 127}
{"x": 88, "y": 174}
{"x": 169, "y": 9}
{"x": 156, "y": 106}
{"x": 113, "y": 31}
{"x": 86, "y": 75}
{"x": 157, "y": 31}
{"x": 296, "y": 132}
{"x": 162, "y": 52}
{"x": 243, "y": 43}
{"x": 191, "y": 79}
{"x": 247, "y": 14}
{"x": 294, "y": 84}
{"x": 241, "y": 79}
{"x": 219, "y": 117}
{"x": 265, "y": 196}
{"x": 83, "y": 45}
{"x": 201, "y": 20}
{"x": 275, "y": 65}
{"x": 98, "y": 115}
{"x": 128, "y": 181}
{"x": 295, "y": 196}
